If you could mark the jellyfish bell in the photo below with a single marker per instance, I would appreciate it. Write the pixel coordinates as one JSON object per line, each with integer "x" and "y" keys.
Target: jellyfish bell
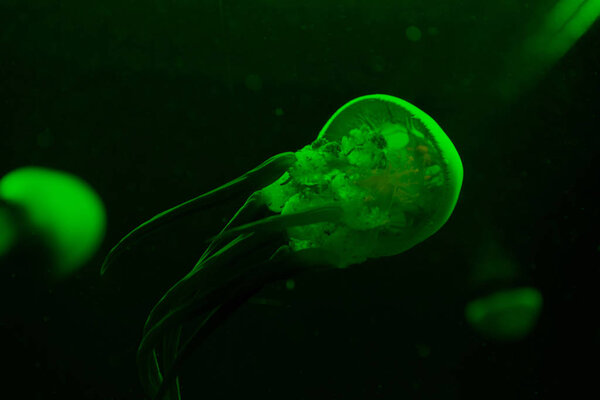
{"x": 391, "y": 169}
{"x": 67, "y": 212}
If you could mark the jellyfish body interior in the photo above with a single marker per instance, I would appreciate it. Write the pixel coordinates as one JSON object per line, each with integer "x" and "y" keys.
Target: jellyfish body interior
{"x": 380, "y": 178}
{"x": 389, "y": 167}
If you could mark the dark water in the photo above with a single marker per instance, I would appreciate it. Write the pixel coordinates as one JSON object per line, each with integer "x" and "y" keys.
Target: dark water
{"x": 153, "y": 102}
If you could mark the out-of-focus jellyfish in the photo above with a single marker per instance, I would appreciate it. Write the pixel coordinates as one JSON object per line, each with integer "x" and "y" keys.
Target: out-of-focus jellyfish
{"x": 380, "y": 178}
{"x": 502, "y": 314}
{"x": 551, "y": 38}
{"x": 507, "y": 315}
{"x": 61, "y": 208}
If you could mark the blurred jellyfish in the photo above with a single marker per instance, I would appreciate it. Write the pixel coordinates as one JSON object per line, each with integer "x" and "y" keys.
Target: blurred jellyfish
{"x": 509, "y": 310}
{"x": 61, "y": 208}
{"x": 551, "y": 38}
{"x": 505, "y": 315}
{"x": 380, "y": 178}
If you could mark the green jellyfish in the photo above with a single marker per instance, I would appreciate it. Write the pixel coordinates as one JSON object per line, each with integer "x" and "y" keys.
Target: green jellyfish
{"x": 380, "y": 178}
{"x": 67, "y": 212}
{"x": 506, "y": 315}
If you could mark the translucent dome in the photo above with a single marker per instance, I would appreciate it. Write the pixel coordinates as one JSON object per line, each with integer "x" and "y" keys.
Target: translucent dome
{"x": 390, "y": 168}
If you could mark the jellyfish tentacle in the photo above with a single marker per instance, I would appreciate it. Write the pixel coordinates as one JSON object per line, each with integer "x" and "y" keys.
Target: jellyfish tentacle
{"x": 202, "y": 292}
{"x": 202, "y": 330}
{"x": 149, "y": 368}
{"x": 256, "y": 178}
{"x": 211, "y": 275}
{"x": 283, "y": 264}
{"x": 246, "y": 212}
{"x": 204, "y": 306}
{"x": 170, "y": 346}
{"x": 325, "y": 213}
{"x": 149, "y": 373}
{"x": 205, "y": 298}
{"x": 147, "y": 358}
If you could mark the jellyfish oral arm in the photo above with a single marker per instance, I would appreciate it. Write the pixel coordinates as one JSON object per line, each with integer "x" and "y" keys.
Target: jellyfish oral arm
{"x": 256, "y": 178}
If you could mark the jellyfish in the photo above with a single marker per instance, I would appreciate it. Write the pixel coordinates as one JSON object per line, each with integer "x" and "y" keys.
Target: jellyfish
{"x": 505, "y": 315}
{"x": 62, "y": 208}
{"x": 381, "y": 177}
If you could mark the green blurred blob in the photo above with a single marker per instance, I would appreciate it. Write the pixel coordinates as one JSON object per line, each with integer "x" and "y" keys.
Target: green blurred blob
{"x": 64, "y": 207}
{"x": 8, "y": 232}
{"x": 505, "y": 315}
{"x": 558, "y": 32}
{"x": 253, "y": 82}
{"x": 423, "y": 350}
{"x": 433, "y": 31}
{"x": 413, "y": 33}
{"x": 564, "y": 25}
{"x": 290, "y": 284}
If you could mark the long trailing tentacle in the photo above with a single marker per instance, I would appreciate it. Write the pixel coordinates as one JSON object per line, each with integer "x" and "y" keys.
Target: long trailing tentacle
{"x": 220, "y": 277}
{"x": 200, "y": 282}
{"x": 223, "y": 274}
{"x": 203, "y": 330}
{"x": 283, "y": 264}
{"x": 253, "y": 205}
{"x": 199, "y": 292}
{"x": 219, "y": 266}
{"x": 170, "y": 346}
{"x": 178, "y": 294}
{"x": 213, "y": 271}
{"x": 259, "y": 177}
{"x": 324, "y": 213}
{"x": 161, "y": 319}
{"x": 171, "y": 340}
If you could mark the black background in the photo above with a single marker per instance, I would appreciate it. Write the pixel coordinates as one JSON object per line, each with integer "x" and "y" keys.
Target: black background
{"x": 154, "y": 102}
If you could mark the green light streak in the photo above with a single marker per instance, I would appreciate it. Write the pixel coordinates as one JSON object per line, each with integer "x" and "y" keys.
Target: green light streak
{"x": 556, "y": 34}
{"x": 563, "y": 26}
